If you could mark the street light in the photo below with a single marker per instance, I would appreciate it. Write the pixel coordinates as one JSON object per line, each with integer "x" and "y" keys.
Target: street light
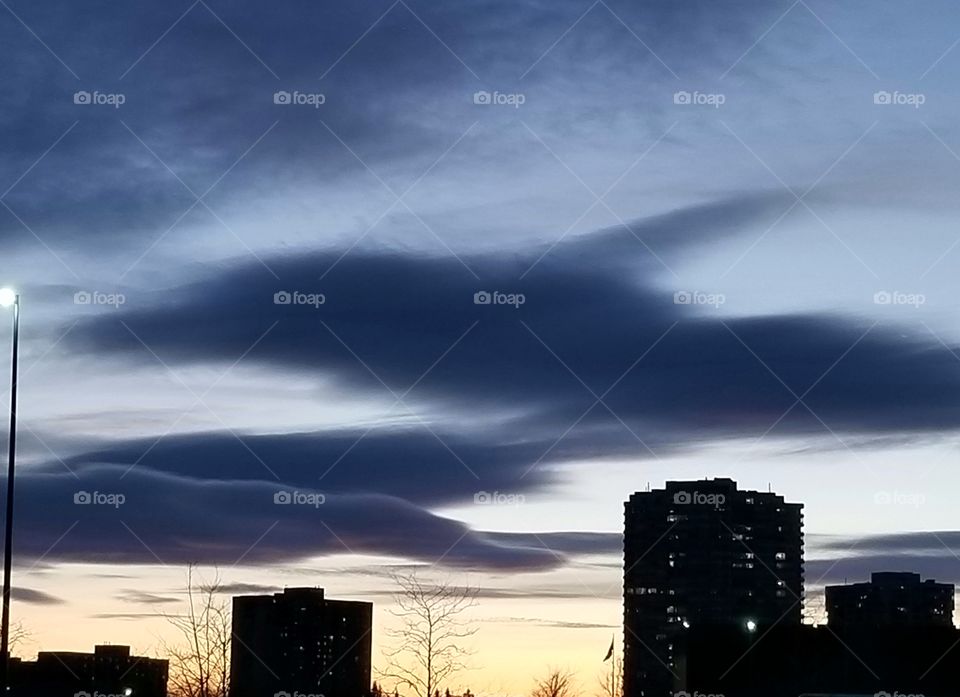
{"x": 9, "y": 298}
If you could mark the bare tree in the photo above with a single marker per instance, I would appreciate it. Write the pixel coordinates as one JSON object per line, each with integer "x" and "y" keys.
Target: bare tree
{"x": 200, "y": 659}
{"x": 18, "y": 635}
{"x": 428, "y": 645}
{"x": 611, "y": 681}
{"x": 558, "y": 683}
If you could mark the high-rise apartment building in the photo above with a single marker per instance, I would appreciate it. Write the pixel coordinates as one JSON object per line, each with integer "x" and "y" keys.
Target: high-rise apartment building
{"x": 301, "y": 642}
{"x": 704, "y": 553}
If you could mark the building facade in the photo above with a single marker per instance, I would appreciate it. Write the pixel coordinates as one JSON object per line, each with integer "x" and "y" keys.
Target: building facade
{"x": 109, "y": 670}
{"x": 299, "y": 641}
{"x": 890, "y": 599}
{"x": 704, "y": 553}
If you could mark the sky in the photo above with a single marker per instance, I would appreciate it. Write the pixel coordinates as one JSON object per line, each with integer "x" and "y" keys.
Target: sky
{"x": 454, "y": 279}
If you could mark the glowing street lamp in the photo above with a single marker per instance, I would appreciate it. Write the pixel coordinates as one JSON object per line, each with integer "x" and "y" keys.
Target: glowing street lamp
{"x": 751, "y": 626}
{"x": 9, "y": 298}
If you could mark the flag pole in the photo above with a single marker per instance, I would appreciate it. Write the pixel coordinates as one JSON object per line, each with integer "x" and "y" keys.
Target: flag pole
{"x": 613, "y": 667}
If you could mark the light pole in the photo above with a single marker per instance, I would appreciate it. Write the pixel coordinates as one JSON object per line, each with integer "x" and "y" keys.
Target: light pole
{"x": 9, "y": 298}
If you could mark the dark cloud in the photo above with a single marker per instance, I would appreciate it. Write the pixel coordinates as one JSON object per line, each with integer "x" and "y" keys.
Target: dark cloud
{"x": 397, "y": 316}
{"x": 930, "y": 553}
{"x": 572, "y": 543}
{"x": 522, "y": 383}
{"x": 415, "y": 465}
{"x": 942, "y": 567}
{"x": 593, "y": 308}
{"x": 108, "y": 187}
{"x": 109, "y": 514}
{"x": 930, "y": 542}
{"x": 35, "y": 597}
{"x": 143, "y": 598}
{"x": 839, "y": 559}
{"x": 199, "y": 84}
{"x": 246, "y": 589}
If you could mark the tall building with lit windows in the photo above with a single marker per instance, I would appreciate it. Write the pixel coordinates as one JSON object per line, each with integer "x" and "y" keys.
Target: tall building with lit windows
{"x": 301, "y": 642}
{"x": 704, "y": 553}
